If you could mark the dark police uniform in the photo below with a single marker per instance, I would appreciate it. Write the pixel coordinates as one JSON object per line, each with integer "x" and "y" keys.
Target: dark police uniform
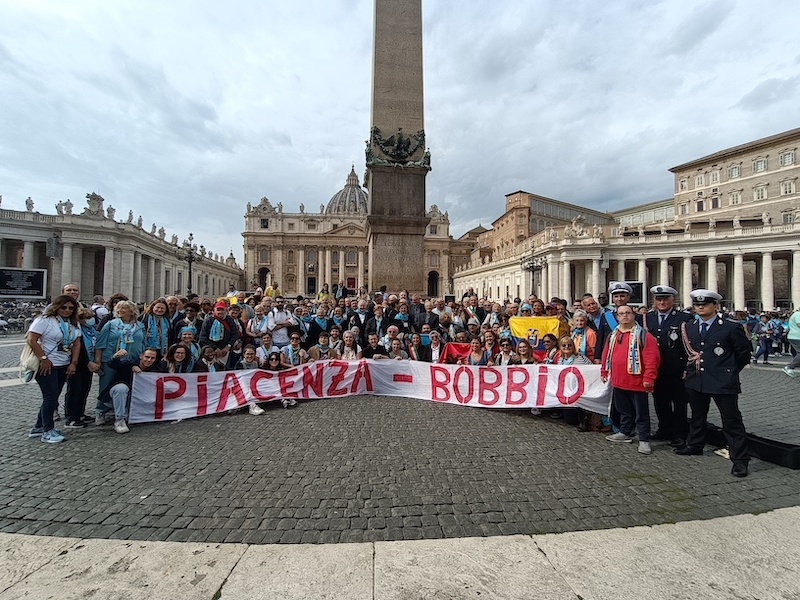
{"x": 670, "y": 398}
{"x": 722, "y": 352}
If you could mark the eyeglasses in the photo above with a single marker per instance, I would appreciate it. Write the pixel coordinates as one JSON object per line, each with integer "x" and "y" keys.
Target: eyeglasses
{"x": 566, "y": 345}
{"x": 294, "y": 339}
{"x": 67, "y": 306}
{"x": 273, "y": 359}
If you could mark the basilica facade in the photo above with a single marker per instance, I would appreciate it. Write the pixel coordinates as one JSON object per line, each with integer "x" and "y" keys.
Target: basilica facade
{"x": 302, "y": 251}
{"x": 731, "y": 225}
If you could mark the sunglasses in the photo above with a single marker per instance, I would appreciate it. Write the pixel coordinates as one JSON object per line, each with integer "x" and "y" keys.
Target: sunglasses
{"x": 294, "y": 339}
{"x": 273, "y": 360}
{"x": 67, "y": 306}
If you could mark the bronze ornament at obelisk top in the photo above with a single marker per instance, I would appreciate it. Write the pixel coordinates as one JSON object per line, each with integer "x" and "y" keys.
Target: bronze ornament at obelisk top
{"x": 397, "y": 157}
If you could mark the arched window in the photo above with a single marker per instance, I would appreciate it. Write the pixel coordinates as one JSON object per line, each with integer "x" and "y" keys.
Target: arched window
{"x": 263, "y": 255}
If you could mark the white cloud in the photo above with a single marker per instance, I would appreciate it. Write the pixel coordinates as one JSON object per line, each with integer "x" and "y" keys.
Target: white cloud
{"x": 185, "y": 111}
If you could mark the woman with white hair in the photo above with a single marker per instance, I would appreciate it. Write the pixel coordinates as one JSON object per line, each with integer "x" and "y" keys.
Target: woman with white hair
{"x": 121, "y": 336}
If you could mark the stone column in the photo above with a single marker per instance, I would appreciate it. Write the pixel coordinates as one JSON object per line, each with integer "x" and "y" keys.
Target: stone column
{"x": 595, "y": 277}
{"x": 66, "y": 265}
{"x": 126, "y": 274}
{"x": 150, "y": 282}
{"x": 620, "y": 270}
{"x": 566, "y": 286}
{"x": 739, "y": 302}
{"x": 301, "y": 275}
{"x": 663, "y": 271}
{"x": 108, "y": 273}
{"x": 361, "y": 280}
{"x": 552, "y": 278}
{"x": 686, "y": 284}
{"x": 796, "y": 279}
{"x": 158, "y": 278}
{"x": 328, "y": 270}
{"x": 137, "y": 278}
{"x": 767, "y": 289}
{"x": 711, "y": 274}
{"x": 28, "y": 260}
{"x": 641, "y": 275}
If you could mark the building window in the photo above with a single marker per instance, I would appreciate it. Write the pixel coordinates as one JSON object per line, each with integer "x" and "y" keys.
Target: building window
{"x": 787, "y": 187}
{"x": 759, "y": 165}
{"x": 715, "y": 176}
{"x": 760, "y": 192}
{"x": 683, "y": 185}
{"x": 351, "y": 258}
{"x": 311, "y": 226}
{"x": 700, "y": 206}
{"x": 734, "y": 171}
{"x": 715, "y": 202}
{"x": 433, "y": 229}
{"x": 290, "y": 257}
{"x": 787, "y": 158}
{"x": 263, "y": 255}
{"x": 434, "y": 261}
{"x": 290, "y": 226}
{"x": 684, "y": 210}
{"x": 788, "y": 218}
{"x": 735, "y": 197}
{"x": 700, "y": 180}
{"x": 335, "y": 258}
{"x": 264, "y": 223}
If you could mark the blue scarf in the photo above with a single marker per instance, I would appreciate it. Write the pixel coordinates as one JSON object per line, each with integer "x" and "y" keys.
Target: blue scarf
{"x": 156, "y": 333}
{"x": 128, "y": 330}
{"x": 68, "y": 333}
{"x": 89, "y": 337}
{"x": 401, "y": 317}
{"x": 217, "y": 331}
{"x": 579, "y": 338}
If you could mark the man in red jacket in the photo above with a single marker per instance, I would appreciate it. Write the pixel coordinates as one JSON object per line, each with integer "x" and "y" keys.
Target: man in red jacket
{"x": 631, "y": 358}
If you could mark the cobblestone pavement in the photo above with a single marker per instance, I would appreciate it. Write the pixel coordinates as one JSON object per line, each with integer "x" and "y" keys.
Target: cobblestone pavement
{"x": 360, "y": 469}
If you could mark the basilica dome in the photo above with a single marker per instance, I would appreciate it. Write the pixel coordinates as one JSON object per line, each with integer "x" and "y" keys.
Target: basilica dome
{"x": 350, "y": 200}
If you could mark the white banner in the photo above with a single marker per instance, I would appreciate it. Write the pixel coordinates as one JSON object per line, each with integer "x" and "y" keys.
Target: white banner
{"x": 168, "y": 397}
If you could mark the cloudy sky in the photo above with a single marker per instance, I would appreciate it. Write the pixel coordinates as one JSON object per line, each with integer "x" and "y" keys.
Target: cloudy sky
{"x": 184, "y": 111}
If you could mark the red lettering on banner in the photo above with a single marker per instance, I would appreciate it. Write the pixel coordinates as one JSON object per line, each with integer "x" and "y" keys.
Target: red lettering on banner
{"x": 562, "y": 379}
{"x": 464, "y": 398}
{"x": 202, "y": 395}
{"x": 541, "y": 385}
{"x": 485, "y": 386}
{"x": 162, "y": 395}
{"x": 403, "y": 378}
{"x": 517, "y": 387}
{"x": 313, "y": 381}
{"x": 254, "y": 381}
{"x": 230, "y": 386}
{"x": 286, "y": 379}
{"x": 337, "y": 378}
{"x": 440, "y": 379}
{"x": 362, "y": 372}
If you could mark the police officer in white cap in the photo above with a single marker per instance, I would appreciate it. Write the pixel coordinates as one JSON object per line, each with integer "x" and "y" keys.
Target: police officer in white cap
{"x": 669, "y": 394}
{"x": 717, "y": 350}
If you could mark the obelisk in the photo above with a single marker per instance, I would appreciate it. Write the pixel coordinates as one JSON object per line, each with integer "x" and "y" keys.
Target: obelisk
{"x": 397, "y": 158}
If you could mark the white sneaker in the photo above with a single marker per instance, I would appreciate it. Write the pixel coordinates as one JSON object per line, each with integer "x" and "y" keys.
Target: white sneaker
{"x": 255, "y": 409}
{"x": 619, "y": 437}
{"x": 789, "y": 372}
{"x": 536, "y": 411}
{"x": 100, "y": 419}
{"x": 120, "y": 426}
{"x": 644, "y": 448}
{"x": 292, "y": 402}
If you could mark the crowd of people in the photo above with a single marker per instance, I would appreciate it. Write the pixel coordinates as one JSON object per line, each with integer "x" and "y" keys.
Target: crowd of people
{"x": 660, "y": 351}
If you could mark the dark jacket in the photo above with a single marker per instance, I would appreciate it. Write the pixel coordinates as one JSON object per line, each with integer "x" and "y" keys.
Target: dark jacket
{"x": 670, "y": 345}
{"x": 229, "y": 336}
{"x": 723, "y": 353}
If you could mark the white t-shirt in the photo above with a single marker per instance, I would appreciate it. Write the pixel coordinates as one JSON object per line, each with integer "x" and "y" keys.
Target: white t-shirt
{"x": 52, "y": 340}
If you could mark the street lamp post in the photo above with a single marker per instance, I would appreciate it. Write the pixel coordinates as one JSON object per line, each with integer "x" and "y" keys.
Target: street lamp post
{"x": 190, "y": 254}
{"x": 533, "y": 265}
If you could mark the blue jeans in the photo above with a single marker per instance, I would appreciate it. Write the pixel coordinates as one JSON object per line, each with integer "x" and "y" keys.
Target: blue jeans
{"x": 634, "y": 413}
{"x": 119, "y": 396}
{"x": 51, "y": 386}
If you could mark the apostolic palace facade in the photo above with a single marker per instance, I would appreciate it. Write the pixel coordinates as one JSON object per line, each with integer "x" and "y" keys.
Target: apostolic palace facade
{"x": 733, "y": 225}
